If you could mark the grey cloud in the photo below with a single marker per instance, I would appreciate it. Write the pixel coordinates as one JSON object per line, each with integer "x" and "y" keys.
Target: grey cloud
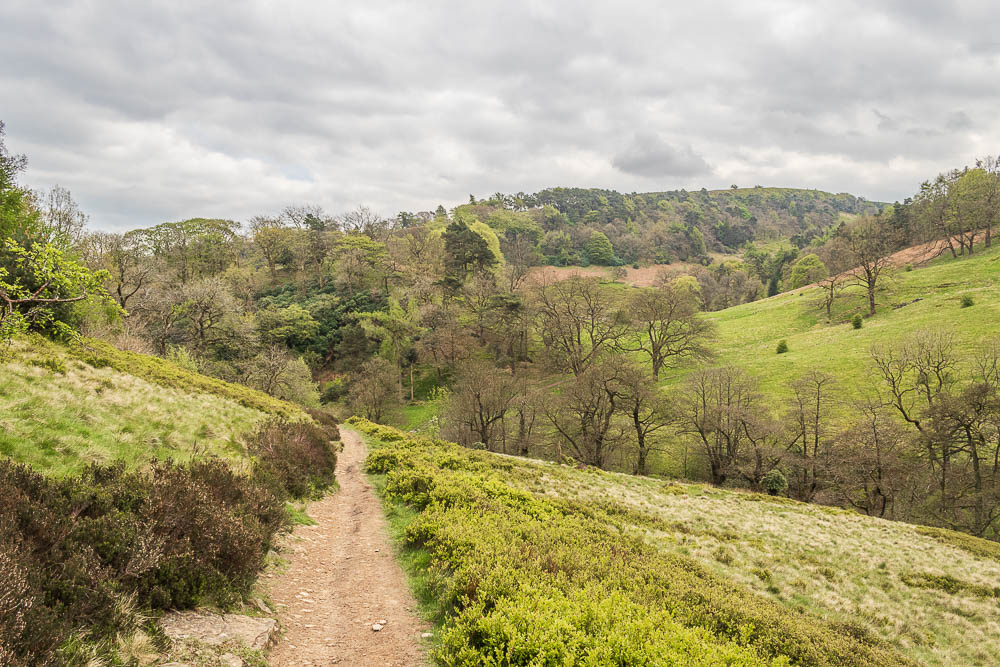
{"x": 165, "y": 110}
{"x": 649, "y": 155}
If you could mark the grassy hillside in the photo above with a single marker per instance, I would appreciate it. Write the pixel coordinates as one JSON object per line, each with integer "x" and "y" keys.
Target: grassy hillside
{"x": 62, "y": 407}
{"x": 528, "y": 562}
{"x": 927, "y": 297}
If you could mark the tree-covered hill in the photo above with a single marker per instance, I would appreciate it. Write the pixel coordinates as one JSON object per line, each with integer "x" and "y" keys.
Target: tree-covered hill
{"x": 660, "y": 227}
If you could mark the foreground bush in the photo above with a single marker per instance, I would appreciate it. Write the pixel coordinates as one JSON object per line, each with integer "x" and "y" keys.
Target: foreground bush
{"x": 527, "y": 579}
{"x": 79, "y": 555}
{"x": 296, "y": 457}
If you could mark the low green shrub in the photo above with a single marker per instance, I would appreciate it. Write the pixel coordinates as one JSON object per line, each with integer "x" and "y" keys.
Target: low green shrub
{"x": 949, "y": 584}
{"x": 524, "y": 579}
{"x": 967, "y": 300}
{"x": 333, "y": 391}
{"x": 52, "y": 364}
{"x": 976, "y": 546}
{"x": 774, "y": 482}
{"x": 782, "y": 346}
{"x": 857, "y": 321}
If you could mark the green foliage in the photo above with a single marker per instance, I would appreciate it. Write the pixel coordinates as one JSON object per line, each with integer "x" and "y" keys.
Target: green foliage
{"x": 949, "y": 584}
{"x": 294, "y": 326}
{"x": 34, "y": 280}
{"x": 599, "y": 250}
{"x": 18, "y": 217}
{"x": 967, "y": 301}
{"x": 857, "y": 321}
{"x": 782, "y": 346}
{"x": 806, "y": 270}
{"x": 523, "y": 578}
{"x": 333, "y": 391}
{"x": 51, "y": 364}
{"x": 466, "y": 251}
{"x": 774, "y": 482}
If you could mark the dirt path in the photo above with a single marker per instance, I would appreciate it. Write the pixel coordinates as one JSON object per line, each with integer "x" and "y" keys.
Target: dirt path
{"x": 342, "y": 578}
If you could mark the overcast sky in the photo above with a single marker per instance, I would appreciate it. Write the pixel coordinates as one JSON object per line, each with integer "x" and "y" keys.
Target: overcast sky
{"x": 157, "y": 111}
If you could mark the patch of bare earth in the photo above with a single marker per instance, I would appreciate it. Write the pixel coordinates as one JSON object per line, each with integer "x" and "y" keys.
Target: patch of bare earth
{"x": 342, "y": 578}
{"x": 645, "y": 276}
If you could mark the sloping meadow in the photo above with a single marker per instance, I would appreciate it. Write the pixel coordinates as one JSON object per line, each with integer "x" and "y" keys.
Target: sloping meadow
{"x": 518, "y": 575}
{"x": 129, "y": 486}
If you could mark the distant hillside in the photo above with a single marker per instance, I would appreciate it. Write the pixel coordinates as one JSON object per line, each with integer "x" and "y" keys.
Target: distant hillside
{"x": 657, "y": 227}
{"x": 928, "y": 297}
{"x": 62, "y": 407}
{"x": 590, "y": 563}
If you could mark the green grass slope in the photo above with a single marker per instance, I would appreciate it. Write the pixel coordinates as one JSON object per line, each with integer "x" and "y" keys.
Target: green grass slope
{"x": 62, "y": 407}
{"x": 526, "y": 562}
{"x": 924, "y": 298}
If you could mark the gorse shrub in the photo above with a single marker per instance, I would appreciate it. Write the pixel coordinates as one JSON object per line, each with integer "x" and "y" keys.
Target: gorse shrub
{"x": 782, "y": 346}
{"x": 857, "y": 321}
{"x": 774, "y": 482}
{"x": 526, "y": 579}
{"x": 967, "y": 300}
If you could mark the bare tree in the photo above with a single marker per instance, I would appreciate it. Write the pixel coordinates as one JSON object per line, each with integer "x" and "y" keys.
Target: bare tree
{"x": 127, "y": 259}
{"x": 990, "y": 193}
{"x": 812, "y": 433}
{"x": 916, "y": 371}
{"x": 61, "y": 216}
{"x": 375, "y": 388}
{"x": 869, "y": 244}
{"x": 719, "y": 408}
{"x": 873, "y": 467}
{"x": 831, "y": 286}
{"x": 578, "y": 320}
{"x": 363, "y": 220}
{"x": 645, "y": 407}
{"x": 667, "y": 326}
{"x": 584, "y": 415}
{"x": 479, "y": 404}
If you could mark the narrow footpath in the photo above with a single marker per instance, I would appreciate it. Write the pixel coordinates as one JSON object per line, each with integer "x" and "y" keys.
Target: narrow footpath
{"x": 342, "y": 579}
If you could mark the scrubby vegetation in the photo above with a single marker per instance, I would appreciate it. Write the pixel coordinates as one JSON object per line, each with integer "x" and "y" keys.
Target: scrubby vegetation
{"x": 529, "y": 561}
{"x": 100, "y": 354}
{"x": 59, "y": 414}
{"x": 86, "y": 559}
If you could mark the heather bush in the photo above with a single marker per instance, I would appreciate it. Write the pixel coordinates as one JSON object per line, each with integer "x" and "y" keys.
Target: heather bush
{"x": 79, "y": 555}
{"x": 296, "y": 458}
